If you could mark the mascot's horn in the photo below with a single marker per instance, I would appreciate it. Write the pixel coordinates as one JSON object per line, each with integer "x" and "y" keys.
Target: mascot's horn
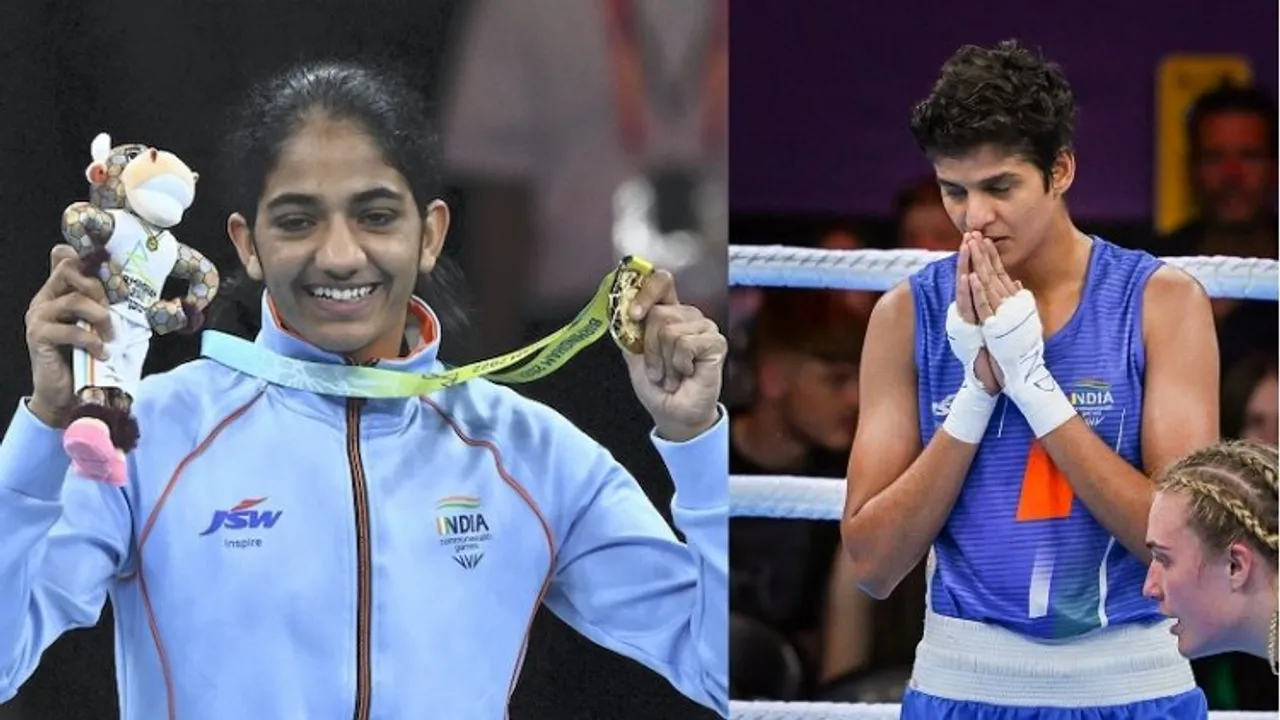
{"x": 101, "y": 147}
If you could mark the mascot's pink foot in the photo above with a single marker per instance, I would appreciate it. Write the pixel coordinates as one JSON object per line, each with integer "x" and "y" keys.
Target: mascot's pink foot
{"x": 88, "y": 444}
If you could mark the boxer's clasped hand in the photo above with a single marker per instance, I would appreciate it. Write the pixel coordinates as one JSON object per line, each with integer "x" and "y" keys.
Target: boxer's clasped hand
{"x": 1014, "y": 335}
{"x": 991, "y": 284}
{"x": 1016, "y": 340}
{"x": 975, "y": 401}
{"x": 964, "y": 329}
{"x": 678, "y": 376}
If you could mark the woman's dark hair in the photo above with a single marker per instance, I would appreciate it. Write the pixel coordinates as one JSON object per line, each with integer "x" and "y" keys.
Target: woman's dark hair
{"x": 383, "y": 104}
{"x": 1007, "y": 96}
{"x": 1238, "y": 383}
{"x": 1230, "y": 98}
{"x": 921, "y": 191}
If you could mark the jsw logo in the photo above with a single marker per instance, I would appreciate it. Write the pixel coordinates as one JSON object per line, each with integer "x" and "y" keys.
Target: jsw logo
{"x": 241, "y": 517}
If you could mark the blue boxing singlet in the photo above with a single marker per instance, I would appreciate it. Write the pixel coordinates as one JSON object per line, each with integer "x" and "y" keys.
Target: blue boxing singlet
{"x": 1018, "y": 550}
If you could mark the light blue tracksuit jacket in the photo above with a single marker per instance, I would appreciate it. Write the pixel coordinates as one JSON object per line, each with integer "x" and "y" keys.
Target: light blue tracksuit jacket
{"x": 278, "y": 554}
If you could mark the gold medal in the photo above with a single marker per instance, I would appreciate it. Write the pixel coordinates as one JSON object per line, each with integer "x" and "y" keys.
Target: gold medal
{"x": 153, "y": 242}
{"x": 627, "y": 281}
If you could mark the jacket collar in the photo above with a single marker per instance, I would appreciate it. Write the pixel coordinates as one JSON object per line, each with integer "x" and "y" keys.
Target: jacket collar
{"x": 422, "y": 333}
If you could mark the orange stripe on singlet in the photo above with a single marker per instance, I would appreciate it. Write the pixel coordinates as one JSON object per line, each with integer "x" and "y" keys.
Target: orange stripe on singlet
{"x": 1046, "y": 494}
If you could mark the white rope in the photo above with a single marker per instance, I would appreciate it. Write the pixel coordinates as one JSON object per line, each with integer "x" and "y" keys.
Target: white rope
{"x": 859, "y": 711}
{"x": 786, "y": 496}
{"x": 879, "y": 270}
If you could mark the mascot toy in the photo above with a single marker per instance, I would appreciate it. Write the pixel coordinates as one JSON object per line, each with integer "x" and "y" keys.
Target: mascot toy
{"x": 122, "y": 235}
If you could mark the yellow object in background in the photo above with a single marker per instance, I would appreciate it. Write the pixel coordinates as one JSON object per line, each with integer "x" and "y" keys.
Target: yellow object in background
{"x": 1180, "y": 79}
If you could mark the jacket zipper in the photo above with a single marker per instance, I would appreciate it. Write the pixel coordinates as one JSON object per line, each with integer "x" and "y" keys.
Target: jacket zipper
{"x": 364, "y": 562}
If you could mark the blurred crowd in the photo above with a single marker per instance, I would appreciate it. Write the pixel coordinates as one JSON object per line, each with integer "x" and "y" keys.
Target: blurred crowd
{"x": 801, "y": 630}
{"x": 577, "y": 133}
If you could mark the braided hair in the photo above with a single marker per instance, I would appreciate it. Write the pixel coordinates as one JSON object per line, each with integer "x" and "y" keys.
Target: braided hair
{"x": 1231, "y": 488}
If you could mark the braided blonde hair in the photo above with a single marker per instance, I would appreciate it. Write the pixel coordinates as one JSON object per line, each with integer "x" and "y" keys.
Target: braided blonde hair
{"x": 1231, "y": 488}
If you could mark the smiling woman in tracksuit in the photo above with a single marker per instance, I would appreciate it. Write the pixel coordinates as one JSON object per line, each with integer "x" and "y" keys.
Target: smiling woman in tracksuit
{"x": 282, "y": 554}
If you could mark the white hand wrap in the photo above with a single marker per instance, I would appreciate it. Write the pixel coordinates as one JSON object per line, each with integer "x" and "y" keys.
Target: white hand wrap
{"x": 972, "y": 406}
{"x": 1015, "y": 339}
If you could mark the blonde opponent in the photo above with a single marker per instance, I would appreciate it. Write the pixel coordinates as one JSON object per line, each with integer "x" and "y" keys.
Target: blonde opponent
{"x": 1212, "y": 534}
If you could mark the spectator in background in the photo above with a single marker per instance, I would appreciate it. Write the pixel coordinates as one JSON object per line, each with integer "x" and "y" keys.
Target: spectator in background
{"x": 858, "y": 302}
{"x": 1249, "y": 399}
{"x": 578, "y": 132}
{"x": 804, "y": 353}
{"x": 923, "y": 223}
{"x": 1231, "y": 133}
{"x": 744, "y": 304}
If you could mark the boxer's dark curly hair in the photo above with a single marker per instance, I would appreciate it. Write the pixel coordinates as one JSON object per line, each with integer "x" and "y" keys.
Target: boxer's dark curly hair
{"x": 1008, "y": 96}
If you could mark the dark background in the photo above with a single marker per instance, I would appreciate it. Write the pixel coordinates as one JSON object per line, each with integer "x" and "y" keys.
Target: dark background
{"x": 164, "y": 73}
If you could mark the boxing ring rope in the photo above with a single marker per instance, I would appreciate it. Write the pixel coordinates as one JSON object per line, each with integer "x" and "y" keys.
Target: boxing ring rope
{"x": 808, "y": 498}
{"x": 879, "y": 270}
